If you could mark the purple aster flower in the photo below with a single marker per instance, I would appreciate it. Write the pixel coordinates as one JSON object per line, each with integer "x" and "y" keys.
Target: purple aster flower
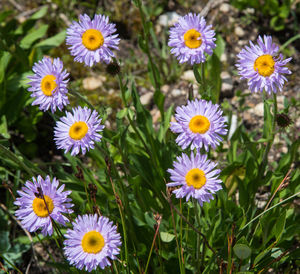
{"x": 262, "y": 66}
{"x": 78, "y": 130}
{"x": 190, "y": 38}
{"x": 34, "y": 213}
{"x": 199, "y": 123}
{"x": 49, "y": 84}
{"x": 196, "y": 176}
{"x": 91, "y": 41}
{"x": 92, "y": 242}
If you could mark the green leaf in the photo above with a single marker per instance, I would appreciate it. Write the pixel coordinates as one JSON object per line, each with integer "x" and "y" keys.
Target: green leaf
{"x": 4, "y": 60}
{"x": 279, "y": 225}
{"x": 166, "y": 237}
{"x": 39, "y": 14}
{"x": 267, "y": 131}
{"x": 4, "y": 241}
{"x": 53, "y": 41}
{"x": 242, "y": 251}
{"x": 3, "y": 127}
{"x": 30, "y": 38}
{"x": 197, "y": 74}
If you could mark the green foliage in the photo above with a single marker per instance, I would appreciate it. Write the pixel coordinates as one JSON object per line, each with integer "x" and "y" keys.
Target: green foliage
{"x": 235, "y": 232}
{"x": 277, "y": 11}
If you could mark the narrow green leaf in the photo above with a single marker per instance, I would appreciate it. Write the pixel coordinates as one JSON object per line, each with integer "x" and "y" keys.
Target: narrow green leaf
{"x": 4, "y": 60}
{"x": 39, "y": 14}
{"x": 30, "y": 38}
{"x": 53, "y": 41}
{"x": 197, "y": 74}
{"x": 279, "y": 226}
{"x": 3, "y": 127}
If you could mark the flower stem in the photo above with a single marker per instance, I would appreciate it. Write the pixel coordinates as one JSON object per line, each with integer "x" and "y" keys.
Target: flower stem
{"x": 197, "y": 213}
{"x": 264, "y": 162}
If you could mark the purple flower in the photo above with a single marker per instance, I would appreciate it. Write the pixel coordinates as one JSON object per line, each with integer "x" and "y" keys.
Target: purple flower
{"x": 92, "y": 242}
{"x": 262, "y": 66}
{"x": 78, "y": 130}
{"x": 34, "y": 213}
{"x": 200, "y": 123}
{"x": 49, "y": 84}
{"x": 196, "y": 176}
{"x": 91, "y": 41}
{"x": 190, "y": 38}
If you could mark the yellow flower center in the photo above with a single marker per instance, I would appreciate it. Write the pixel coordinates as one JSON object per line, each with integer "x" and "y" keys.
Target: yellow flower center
{"x": 199, "y": 124}
{"x": 192, "y": 39}
{"x": 92, "y": 242}
{"x": 78, "y": 130}
{"x": 48, "y": 84}
{"x": 92, "y": 39}
{"x": 40, "y": 208}
{"x": 264, "y": 65}
{"x": 196, "y": 178}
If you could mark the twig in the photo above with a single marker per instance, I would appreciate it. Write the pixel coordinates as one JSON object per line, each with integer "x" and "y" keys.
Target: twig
{"x": 278, "y": 188}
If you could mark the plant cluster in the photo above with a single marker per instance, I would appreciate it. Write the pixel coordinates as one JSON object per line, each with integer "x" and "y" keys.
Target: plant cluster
{"x": 137, "y": 197}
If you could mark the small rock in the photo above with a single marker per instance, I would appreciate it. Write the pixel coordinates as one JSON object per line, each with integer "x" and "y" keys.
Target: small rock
{"x": 258, "y": 110}
{"x": 168, "y": 19}
{"x": 176, "y": 92}
{"x": 250, "y": 10}
{"x": 280, "y": 102}
{"x": 188, "y": 76}
{"x": 91, "y": 83}
{"x": 239, "y": 31}
{"x": 146, "y": 98}
{"x": 225, "y": 8}
{"x": 155, "y": 113}
{"x": 223, "y": 57}
{"x": 227, "y": 84}
{"x": 165, "y": 89}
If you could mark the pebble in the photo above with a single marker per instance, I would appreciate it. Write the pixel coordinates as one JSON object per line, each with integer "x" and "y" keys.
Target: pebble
{"x": 225, "y": 8}
{"x": 224, "y": 57}
{"x": 91, "y": 83}
{"x": 176, "y": 92}
{"x": 168, "y": 19}
{"x": 146, "y": 98}
{"x": 188, "y": 76}
{"x": 227, "y": 83}
{"x": 165, "y": 89}
{"x": 239, "y": 31}
{"x": 258, "y": 110}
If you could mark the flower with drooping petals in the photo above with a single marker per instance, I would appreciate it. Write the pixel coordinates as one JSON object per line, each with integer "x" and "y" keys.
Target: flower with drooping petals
{"x": 78, "y": 130}
{"x": 40, "y": 201}
{"x": 262, "y": 66}
{"x": 91, "y": 41}
{"x": 191, "y": 38}
{"x": 199, "y": 124}
{"x": 92, "y": 242}
{"x": 49, "y": 84}
{"x": 196, "y": 176}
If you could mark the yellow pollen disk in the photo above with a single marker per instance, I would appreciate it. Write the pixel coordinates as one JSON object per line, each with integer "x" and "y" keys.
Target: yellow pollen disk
{"x": 264, "y": 65}
{"x": 92, "y": 39}
{"x": 40, "y": 208}
{"x": 78, "y": 130}
{"x": 48, "y": 84}
{"x": 92, "y": 242}
{"x": 196, "y": 178}
{"x": 191, "y": 39}
{"x": 199, "y": 124}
